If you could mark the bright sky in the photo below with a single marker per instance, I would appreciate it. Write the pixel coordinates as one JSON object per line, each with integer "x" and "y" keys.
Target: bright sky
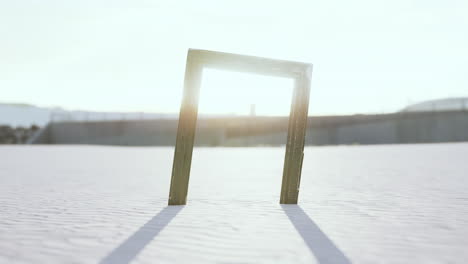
{"x": 114, "y": 55}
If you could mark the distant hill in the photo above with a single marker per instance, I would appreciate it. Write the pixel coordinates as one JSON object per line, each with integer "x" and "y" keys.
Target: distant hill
{"x": 19, "y": 114}
{"x": 23, "y": 114}
{"x": 438, "y": 105}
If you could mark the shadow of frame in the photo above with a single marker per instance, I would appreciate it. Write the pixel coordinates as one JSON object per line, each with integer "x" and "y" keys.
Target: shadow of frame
{"x": 324, "y": 250}
{"x": 131, "y": 247}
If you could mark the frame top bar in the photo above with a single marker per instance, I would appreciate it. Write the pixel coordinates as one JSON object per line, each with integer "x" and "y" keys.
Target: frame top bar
{"x": 249, "y": 64}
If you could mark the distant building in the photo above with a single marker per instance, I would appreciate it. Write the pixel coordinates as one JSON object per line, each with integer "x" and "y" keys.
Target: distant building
{"x": 444, "y": 120}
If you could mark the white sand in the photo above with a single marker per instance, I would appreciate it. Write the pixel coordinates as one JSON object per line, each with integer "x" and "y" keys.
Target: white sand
{"x": 369, "y": 204}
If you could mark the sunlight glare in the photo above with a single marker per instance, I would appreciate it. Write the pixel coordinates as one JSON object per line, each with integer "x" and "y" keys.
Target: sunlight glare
{"x": 233, "y": 93}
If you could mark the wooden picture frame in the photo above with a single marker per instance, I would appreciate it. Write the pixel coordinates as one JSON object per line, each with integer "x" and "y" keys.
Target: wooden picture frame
{"x": 199, "y": 59}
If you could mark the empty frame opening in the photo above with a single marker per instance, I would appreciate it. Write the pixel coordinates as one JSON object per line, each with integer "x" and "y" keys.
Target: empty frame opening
{"x": 242, "y": 103}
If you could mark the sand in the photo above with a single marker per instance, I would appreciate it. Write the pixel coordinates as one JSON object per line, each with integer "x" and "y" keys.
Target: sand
{"x": 358, "y": 204}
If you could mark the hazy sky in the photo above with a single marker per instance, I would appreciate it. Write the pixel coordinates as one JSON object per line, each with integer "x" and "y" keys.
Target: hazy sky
{"x": 368, "y": 55}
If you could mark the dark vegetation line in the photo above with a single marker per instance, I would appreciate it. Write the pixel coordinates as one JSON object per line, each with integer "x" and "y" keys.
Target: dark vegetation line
{"x": 16, "y": 135}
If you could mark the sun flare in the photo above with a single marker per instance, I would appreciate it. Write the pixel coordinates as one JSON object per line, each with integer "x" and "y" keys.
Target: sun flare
{"x": 233, "y": 93}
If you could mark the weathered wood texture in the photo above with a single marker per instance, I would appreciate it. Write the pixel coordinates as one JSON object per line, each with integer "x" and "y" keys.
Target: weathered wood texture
{"x": 185, "y": 133}
{"x": 199, "y": 59}
{"x": 295, "y": 141}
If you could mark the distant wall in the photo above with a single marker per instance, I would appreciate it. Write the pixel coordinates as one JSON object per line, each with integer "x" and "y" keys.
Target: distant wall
{"x": 246, "y": 131}
{"x": 423, "y": 127}
{"x": 125, "y": 132}
{"x": 433, "y": 127}
{"x": 136, "y": 133}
